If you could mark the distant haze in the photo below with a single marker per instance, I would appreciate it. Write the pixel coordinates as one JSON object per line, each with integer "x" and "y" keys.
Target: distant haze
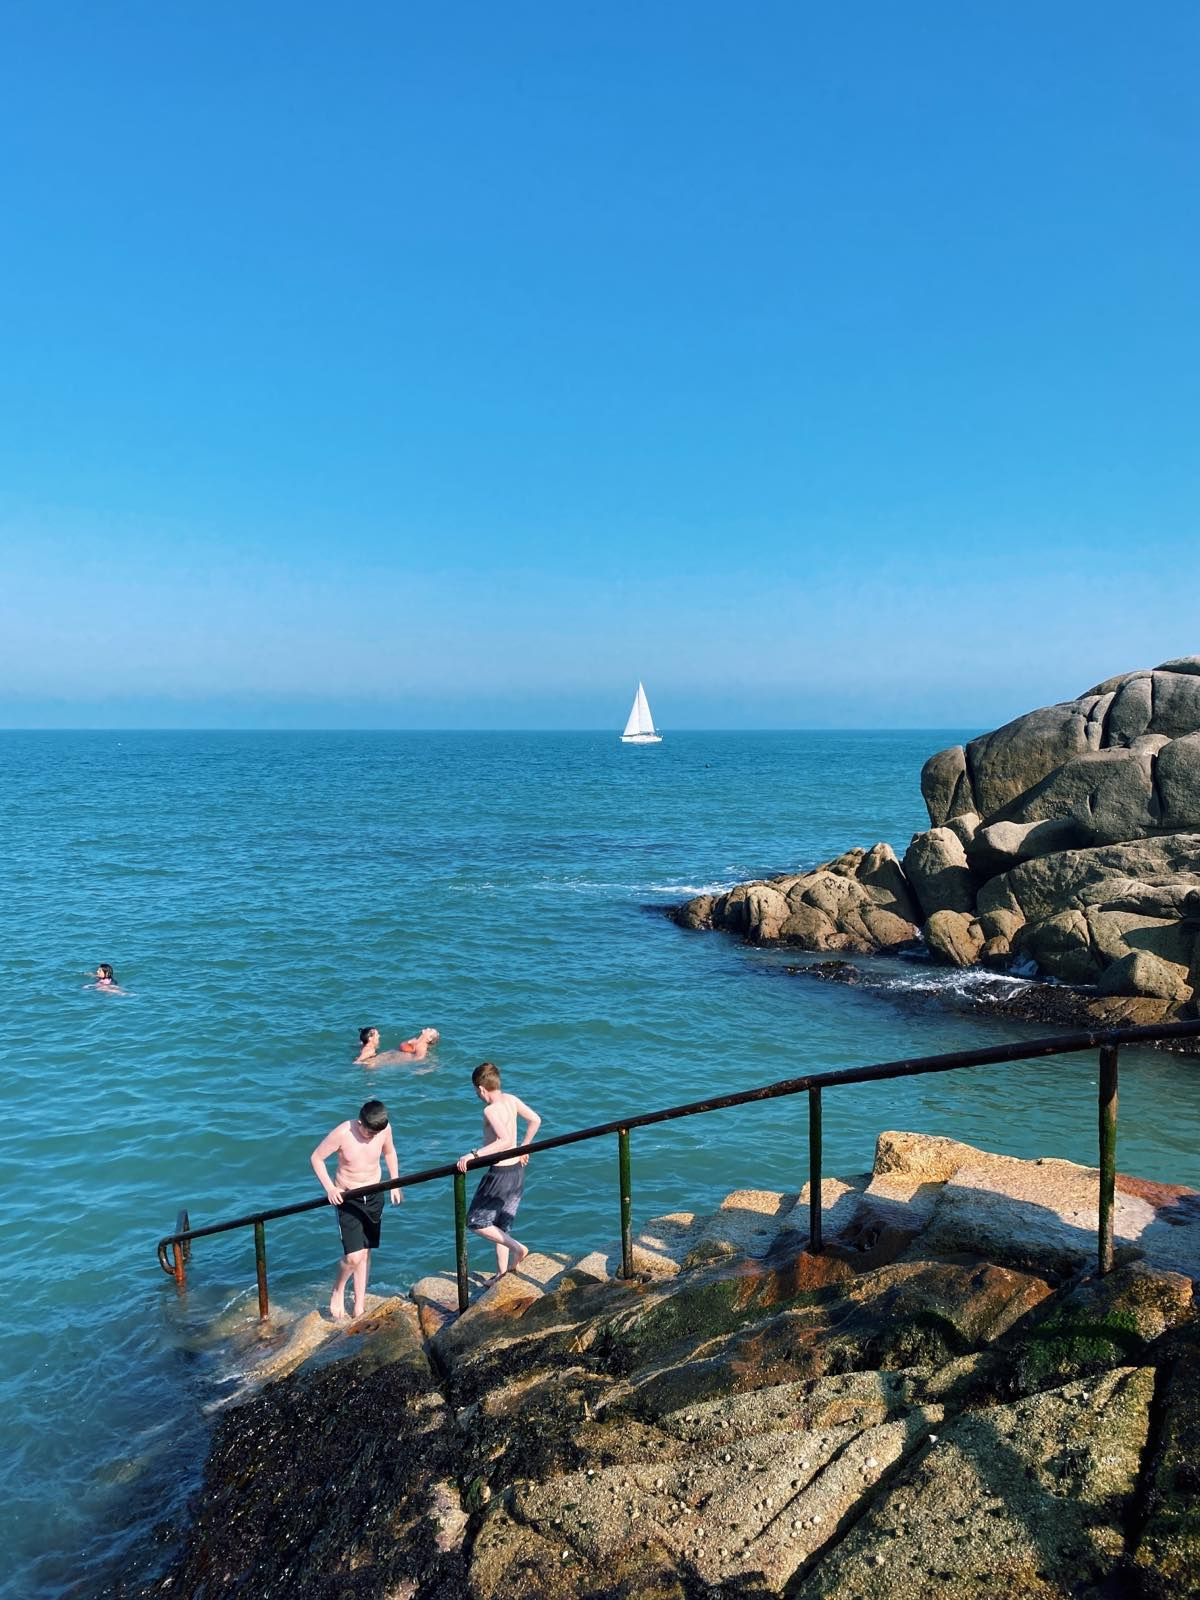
{"x": 457, "y": 368}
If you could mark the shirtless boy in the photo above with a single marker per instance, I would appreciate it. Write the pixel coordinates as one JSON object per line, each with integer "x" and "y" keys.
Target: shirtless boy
{"x": 358, "y": 1145}
{"x": 414, "y": 1049}
{"x": 494, "y": 1207}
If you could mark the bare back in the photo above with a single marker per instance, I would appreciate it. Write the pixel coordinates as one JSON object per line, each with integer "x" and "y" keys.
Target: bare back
{"x": 500, "y": 1122}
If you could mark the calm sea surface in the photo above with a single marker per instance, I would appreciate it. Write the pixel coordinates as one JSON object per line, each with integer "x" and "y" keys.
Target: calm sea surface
{"x": 262, "y": 896}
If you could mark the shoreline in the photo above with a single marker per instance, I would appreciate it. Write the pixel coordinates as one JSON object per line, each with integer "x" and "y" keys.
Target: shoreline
{"x": 1033, "y": 1000}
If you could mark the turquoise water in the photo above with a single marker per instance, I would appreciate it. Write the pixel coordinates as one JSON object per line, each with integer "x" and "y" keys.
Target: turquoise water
{"x": 263, "y": 895}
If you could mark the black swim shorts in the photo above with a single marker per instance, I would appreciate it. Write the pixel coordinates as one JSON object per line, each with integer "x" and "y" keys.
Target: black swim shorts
{"x": 359, "y": 1221}
{"x": 497, "y": 1198}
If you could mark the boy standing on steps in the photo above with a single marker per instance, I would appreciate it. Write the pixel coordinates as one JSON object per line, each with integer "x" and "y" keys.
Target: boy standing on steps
{"x": 358, "y": 1145}
{"x": 499, "y": 1193}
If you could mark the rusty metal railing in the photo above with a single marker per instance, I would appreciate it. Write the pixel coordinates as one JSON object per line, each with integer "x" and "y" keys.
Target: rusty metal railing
{"x": 175, "y": 1249}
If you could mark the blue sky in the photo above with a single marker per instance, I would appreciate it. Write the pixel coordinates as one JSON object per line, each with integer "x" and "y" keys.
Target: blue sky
{"x": 458, "y": 366}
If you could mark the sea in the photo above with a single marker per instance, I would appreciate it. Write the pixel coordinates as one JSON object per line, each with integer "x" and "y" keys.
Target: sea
{"x": 262, "y": 896}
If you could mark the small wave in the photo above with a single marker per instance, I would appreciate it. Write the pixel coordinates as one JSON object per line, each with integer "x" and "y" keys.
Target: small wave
{"x": 683, "y": 888}
{"x": 965, "y": 982}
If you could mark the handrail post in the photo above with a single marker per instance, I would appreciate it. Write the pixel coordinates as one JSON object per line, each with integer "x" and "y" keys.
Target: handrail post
{"x": 460, "y": 1239}
{"x": 260, "y": 1268}
{"x": 180, "y": 1251}
{"x": 814, "y": 1171}
{"x": 1108, "y": 1153}
{"x": 626, "y": 1183}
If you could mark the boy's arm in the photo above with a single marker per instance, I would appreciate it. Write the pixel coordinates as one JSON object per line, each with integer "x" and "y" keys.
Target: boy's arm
{"x": 320, "y": 1156}
{"x": 532, "y": 1123}
{"x": 393, "y": 1166}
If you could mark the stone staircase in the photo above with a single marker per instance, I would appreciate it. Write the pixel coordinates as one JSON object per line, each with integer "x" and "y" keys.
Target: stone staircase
{"x": 945, "y": 1400}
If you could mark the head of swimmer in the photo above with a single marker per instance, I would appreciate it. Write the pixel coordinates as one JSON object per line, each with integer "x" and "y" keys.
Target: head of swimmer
{"x": 373, "y": 1116}
{"x": 104, "y": 973}
{"x": 368, "y": 1036}
{"x": 429, "y": 1033}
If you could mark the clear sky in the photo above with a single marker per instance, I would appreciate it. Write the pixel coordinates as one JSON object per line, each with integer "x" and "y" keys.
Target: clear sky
{"x": 456, "y": 366}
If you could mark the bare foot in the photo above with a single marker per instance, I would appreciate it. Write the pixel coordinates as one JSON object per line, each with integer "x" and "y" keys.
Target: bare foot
{"x": 337, "y": 1310}
{"x": 518, "y": 1255}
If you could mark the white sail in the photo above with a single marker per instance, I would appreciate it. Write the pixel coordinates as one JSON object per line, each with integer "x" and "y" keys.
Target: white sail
{"x": 640, "y": 727}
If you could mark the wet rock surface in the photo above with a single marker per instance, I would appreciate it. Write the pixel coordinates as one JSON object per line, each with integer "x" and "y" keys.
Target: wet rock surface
{"x": 946, "y": 1400}
{"x": 1066, "y": 843}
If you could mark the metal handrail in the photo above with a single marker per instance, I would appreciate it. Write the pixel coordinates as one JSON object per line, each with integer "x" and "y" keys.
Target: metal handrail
{"x": 1106, "y": 1040}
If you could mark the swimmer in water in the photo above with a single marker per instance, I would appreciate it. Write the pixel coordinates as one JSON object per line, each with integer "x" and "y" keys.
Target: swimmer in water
{"x": 414, "y": 1049}
{"x": 105, "y": 981}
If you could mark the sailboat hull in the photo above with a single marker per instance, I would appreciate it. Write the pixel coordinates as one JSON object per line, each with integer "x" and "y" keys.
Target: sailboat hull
{"x": 641, "y": 738}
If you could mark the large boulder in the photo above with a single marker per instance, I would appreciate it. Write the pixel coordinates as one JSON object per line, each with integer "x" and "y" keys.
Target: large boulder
{"x": 946, "y": 786}
{"x": 954, "y": 938}
{"x": 1001, "y": 845}
{"x": 1141, "y": 972}
{"x": 1004, "y": 764}
{"x": 1141, "y": 714}
{"x": 1177, "y": 775}
{"x": 1152, "y": 876}
{"x": 1108, "y": 795}
{"x": 935, "y": 864}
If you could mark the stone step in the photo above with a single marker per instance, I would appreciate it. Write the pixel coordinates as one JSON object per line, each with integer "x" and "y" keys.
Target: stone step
{"x": 436, "y": 1299}
{"x": 316, "y": 1336}
{"x": 1044, "y": 1214}
{"x": 748, "y": 1222}
{"x": 499, "y": 1300}
{"x": 661, "y": 1247}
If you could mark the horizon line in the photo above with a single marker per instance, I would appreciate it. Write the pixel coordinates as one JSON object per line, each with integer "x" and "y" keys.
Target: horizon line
{"x": 607, "y": 731}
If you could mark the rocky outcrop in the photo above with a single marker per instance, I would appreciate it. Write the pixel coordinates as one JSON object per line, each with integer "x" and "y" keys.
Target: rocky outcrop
{"x": 946, "y": 1401}
{"x": 861, "y": 902}
{"x": 1068, "y": 841}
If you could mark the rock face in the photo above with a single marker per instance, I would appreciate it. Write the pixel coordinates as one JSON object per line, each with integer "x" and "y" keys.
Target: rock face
{"x": 946, "y": 1401}
{"x": 1069, "y": 838}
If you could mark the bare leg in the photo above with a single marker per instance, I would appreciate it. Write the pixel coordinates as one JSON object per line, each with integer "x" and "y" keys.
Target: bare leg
{"x": 505, "y": 1243}
{"x": 337, "y": 1300}
{"x": 362, "y": 1265}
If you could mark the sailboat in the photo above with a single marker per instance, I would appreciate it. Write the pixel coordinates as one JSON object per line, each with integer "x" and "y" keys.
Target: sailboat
{"x": 640, "y": 727}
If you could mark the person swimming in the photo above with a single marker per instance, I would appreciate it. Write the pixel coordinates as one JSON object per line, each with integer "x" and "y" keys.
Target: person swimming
{"x": 414, "y": 1049}
{"x": 105, "y": 981}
